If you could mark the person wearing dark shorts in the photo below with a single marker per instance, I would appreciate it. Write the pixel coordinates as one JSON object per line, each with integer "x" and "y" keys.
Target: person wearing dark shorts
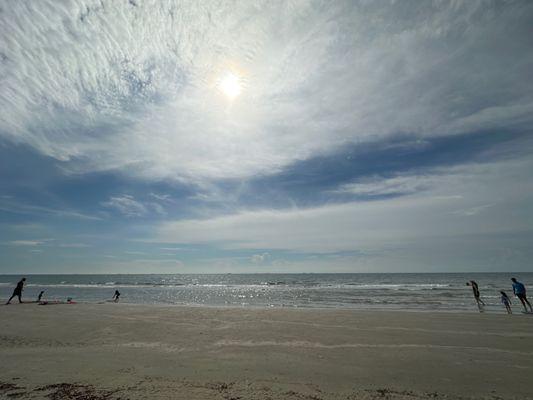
{"x": 519, "y": 291}
{"x": 116, "y": 296}
{"x": 18, "y": 291}
{"x": 475, "y": 289}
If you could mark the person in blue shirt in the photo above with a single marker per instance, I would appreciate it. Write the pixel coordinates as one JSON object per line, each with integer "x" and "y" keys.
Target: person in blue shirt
{"x": 519, "y": 291}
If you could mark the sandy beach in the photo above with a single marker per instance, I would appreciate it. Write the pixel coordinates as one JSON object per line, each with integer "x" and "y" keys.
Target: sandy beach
{"x": 112, "y": 351}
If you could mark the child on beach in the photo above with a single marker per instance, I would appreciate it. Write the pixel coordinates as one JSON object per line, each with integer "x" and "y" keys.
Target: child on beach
{"x": 506, "y": 301}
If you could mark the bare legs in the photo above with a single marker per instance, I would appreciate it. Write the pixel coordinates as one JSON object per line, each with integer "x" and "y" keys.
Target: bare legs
{"x": 480, "y": 304}
{"x": 20, "y": 299}
{"x": 524, "y": 301}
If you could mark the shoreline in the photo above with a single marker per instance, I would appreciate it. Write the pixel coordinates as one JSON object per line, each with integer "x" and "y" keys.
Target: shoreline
{"x": 489, "y": 310}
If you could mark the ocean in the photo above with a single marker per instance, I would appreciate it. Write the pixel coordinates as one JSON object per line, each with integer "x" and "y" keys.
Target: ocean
{"x": 416, "y": 292}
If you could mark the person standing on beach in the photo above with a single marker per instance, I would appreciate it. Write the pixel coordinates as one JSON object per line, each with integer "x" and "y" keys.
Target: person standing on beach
{"x": 475, "y": 289}
{"x": 18, "y": 291}
{"x": 116, "y": 296}
{"x": 40, "y": 296}
{"x": 519, "y": 291}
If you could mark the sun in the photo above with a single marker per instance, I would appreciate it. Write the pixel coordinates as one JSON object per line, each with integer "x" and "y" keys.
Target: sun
{"x": 230, "y": 85}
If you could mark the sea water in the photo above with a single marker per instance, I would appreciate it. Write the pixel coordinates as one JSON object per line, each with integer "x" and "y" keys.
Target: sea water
{"x": 422, "y": 292}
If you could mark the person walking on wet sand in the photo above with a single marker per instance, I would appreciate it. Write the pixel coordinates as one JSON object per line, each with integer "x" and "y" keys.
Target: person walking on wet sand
{"x": 519, "y": 291}
{"x": 475, "y": 289}
{"x": 18, "y": 291}
{"x": 506, "y": 301}
{"x": 40, "y": 296}
{"x": 116, "y": 296}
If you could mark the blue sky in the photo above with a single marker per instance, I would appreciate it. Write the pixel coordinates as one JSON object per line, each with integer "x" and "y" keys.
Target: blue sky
{"x": 266, "y": 136}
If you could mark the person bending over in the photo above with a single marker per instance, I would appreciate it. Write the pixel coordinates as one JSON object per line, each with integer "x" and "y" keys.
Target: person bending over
{"x": 475, "y": 289}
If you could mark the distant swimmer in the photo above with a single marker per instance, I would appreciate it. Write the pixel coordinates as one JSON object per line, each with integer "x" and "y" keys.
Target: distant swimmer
{"x": 475, "y": 289}
{"x": 40, "y": 296}
{"x": 18, "y": 291}
{"x": 506, "y": 301}
{"x": 116, "y": 296}
{"x": 519, "y": 291}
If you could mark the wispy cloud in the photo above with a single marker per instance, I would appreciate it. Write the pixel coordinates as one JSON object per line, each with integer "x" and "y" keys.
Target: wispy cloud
{"x": 22, "y": 208}
{"x": 126, "y": 205}
{"x": 48, "y": 243}
{"x": 29, "y": 242}
{"x": 161, "y": 197}
{"x": 74, "y": 245}
{"x": 316, "y": 76}
{"x": 397, "y": 185}
{"x": 129, "y": 206}
{"x": 473, "y": 210}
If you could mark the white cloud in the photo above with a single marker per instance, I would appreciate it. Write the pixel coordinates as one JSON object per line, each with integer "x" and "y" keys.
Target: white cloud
{"x": 115, "y": 86}
{"x": 126, "y": 205}
{"x": 157, "y": 261}
{"x": 75, "y": 245}
{"x": 259, "y": 258}
{"x": 446, "y": 181}
{"x": 18, "y": 207}
{"x": 26, "y": 242}
{"x": 473, "y": 210}
{"x": 161, "y": 197}
{"x": 130, "y": 207}
{"x": 401, "y": 184}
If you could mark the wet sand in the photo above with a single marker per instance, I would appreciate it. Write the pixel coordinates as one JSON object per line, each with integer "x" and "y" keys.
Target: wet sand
{"x": 112, "y": 351}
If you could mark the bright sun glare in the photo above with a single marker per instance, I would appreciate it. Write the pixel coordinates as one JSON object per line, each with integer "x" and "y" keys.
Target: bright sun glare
{"x": 230, "y": 85}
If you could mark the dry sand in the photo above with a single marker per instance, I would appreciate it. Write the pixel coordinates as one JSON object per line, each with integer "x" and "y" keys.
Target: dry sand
{"x": 112, "y": 351}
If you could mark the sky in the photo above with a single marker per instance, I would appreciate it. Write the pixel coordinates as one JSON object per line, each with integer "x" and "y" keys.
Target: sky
{"x": 278, "y": 136}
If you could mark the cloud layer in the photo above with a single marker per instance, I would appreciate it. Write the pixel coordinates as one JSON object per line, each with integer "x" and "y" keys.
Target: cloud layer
{"x": 464, "y": 204}
{"x": 132, "y": 85}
